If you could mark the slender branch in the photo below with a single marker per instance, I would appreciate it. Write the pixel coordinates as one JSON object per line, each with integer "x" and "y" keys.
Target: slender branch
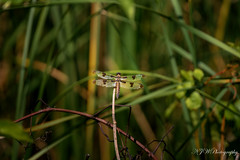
{"x": 104, "y": 133}
{"x": 124, "y": 144}
{"x": 162, "y": 140}
{"x": 150, "y": 154}
{"x": 115, "y": 126}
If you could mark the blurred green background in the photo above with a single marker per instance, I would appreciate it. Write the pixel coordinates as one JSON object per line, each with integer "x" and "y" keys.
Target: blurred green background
{"x": 187, "y": 50}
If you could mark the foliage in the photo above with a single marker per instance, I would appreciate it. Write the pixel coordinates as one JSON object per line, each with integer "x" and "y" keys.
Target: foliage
{"x": 13, "y": 130}
{"x": 50, "y": 48}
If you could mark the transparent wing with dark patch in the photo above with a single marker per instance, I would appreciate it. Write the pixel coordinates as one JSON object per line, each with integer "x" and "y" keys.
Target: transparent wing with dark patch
{"x": 131, "y": 85}
{"x": 105, "y": 83}
{"x": 104, "y": 75}
{"x": 137, "y": 77}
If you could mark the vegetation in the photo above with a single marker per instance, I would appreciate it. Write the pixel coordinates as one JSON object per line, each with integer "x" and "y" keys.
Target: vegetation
{"x": 189, "y": 107}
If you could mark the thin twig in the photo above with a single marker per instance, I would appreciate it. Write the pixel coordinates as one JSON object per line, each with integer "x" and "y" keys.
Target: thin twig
{"x": 162, "y": 140}
{"x": 115, "y": 126}
{"x": 104, "y": 133}
{"x": 129, "y": 115}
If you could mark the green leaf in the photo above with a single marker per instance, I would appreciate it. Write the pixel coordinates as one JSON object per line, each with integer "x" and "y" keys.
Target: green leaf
{"x": 187, "y": 75}
{"x": 128, "y": 7}
{"x": 229, "y": 115}
{"x": 188, "y": 84}
{"x": 183, "y": 87}
{"x": 198, "y": 74}
{"x": 194, "y": 101}
{"x": 180, "y": 94}
{"x": 170, "y": 109}
{"x": 194, "y": 117}
{"x": 13, "y": 130}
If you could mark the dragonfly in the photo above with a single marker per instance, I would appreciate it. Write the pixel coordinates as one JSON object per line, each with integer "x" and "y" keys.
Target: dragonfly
{"x": 118, "y": 81}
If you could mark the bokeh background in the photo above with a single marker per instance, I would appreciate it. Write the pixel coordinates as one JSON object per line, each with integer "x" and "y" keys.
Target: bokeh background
{"x": 187, "y": 50}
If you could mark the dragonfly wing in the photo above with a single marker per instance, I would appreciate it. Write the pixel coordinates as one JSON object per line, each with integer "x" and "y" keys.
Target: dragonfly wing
{"x": 137, "y": 77}
{"x": 131, "y": 85}
{"x": 104, "y": 75}
{"x": 105, "y": 83}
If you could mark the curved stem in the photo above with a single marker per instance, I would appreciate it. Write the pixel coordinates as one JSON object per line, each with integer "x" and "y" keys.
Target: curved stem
{"x": 150, "y": 154}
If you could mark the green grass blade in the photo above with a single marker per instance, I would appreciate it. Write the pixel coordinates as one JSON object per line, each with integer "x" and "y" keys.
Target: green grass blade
{"x": 170, "y": 51}
{"x": 10, "y": 41}
{"x": 53, "y": 123}
{"x": 191, "y": 48}
{"x": 218, "y": 98}
{"x": 46, "y": 149}
{"x": 211, "y": 39}
{"x": 188, "y": 56}
{"x": 20, "y": 108}
{"x": 197, "y": 32}
{"x": 68, "y": 89}
{"x": 218, "y": 102}
{"x": 166, "y": 91}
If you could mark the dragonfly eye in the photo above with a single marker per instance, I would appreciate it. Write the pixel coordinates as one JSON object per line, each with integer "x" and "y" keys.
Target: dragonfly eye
{"x": 118, "y": 74}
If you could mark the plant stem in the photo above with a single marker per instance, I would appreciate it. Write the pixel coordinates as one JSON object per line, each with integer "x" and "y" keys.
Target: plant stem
{"x": 89, "y": 116}
{"x": 93, "y": 52}
{"x": 114, "y": 125}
